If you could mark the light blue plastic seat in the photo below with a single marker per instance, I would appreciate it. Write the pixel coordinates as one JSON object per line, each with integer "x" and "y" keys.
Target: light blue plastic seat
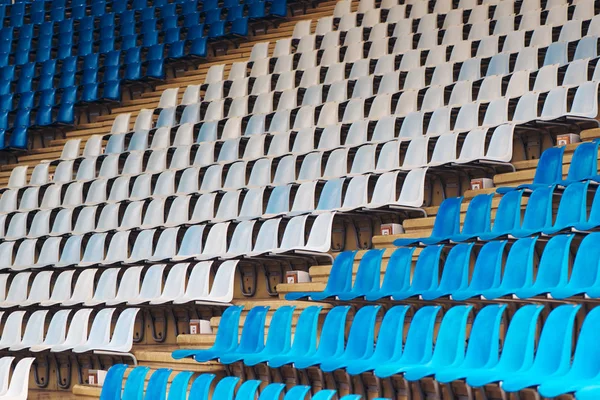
{"x": 113, "y": 383}
{"x": 324, "y": 395}
{"x": 593, "y": 221}
{"x": 517, "y": 351}
{"x": 278, "y": 339}
{"x": 553, "y": 354}
{"x": 585, "y": 278}
{"x": 547, "y": 173}
{"x": 486, "y": 273}
{"x": 252, "y": 339}
{"x": 483, "y": 347}
{"x": 298, "y": 392}
{"x": 589, "y": 393}
{"x": 272, "y": 392}
{"x": 305, "y": 338}
{"x": 360, "y": 343}
{"x": 518, "y": 271}
{"x": 584, "y": 163}
{"x": 425, "y": 277}
{"x": 538, "y": 213}
{"x": 477, "y": 219}
{"x": 482, "y": 350}
{"x": 553, "y": 268}
{"x": 340, "y": 279}
{"x": 247, "y": 391}
{"x": 418, "y": 346}
{"x": 351, "y": 397}
{"x": 333, "y": 330}
{"x": 455, "y": 275}
{"x": 397, "y": 274}
{"x": 451, "y": 335}
{"x": 179, "y": 387}
{"x": 367, "y": 277}
{"x": 224, "y": 389}
{"x": 585, "y": 369}
{"x": 449, "y": 351}
{"x": 572, "y": 209}
{"x": 226, "y": 340}
{"x": 510, "y": 209}
{"x": 389, "y": 342}
{"x": 134, "y": 386}
{"x": 446, "y": 225}
{"x": 157, "y": 384}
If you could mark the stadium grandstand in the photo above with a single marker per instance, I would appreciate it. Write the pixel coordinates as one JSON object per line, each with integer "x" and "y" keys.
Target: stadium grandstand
{"x": 294, "y": 199}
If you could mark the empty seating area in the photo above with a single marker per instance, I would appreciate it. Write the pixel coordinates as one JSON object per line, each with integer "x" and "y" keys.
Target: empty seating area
{"x": 280, "y": 205}
{"x": 59, "y": 56}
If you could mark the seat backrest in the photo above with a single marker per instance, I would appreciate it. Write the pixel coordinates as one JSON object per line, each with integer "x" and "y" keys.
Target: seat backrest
{"x": 134, "y": 386}
{"x": 253, "y": 332}
{"x": 538, "y": 213}
{"x": 333, "y": 330}
{"x": 200, "y": 386}
{"x": 369, "y": 272}
{"x": 549, "y": 169}
{"x": 553, "y": 267}
{"x": 478, "y": 215}
{"x": 519, "y": 343}
{"x": 455, "y": 275}
{"x": 426, "y": 273}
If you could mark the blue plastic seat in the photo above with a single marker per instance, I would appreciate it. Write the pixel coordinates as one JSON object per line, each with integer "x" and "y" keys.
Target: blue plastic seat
{"x": 155, "y": 62}
{"x": 333, "y": 330}
{"x": 455, "y": 275}
{"x": 298, "y": 392}
{"x": 226, "y": 339}
{"x": 22, "y": 118}
{"x": 418, "y": 346}
{"x": 593, "y": 221}
{"x": 553, "y": 354}
{"x": 482, "y": 358}
{"x": 278, "y": 340}
{"x": 257, "y": 10}
{"x": 248, "y": 390}
{"x": 208, "y": 5}
{"x": 157, "y": 384}
{"x": 553, "y": 269}
{"x": 252, "y": 338}
{"x": 19, "y": 139}
{"x": 589, "y": 393}
{"x": 538, "y": 213}
{"x": 113, "y": 383}
{"x": 191, "y": 19}
{"x": 235, "y": 12}
{"x": 446, "y": 225}
{"x": 340, "y": 279}
{"x": 585, "y": 368}
{"x": 239, "y": 27}
{"x": 426, "y": 273}
{"x": 271, "y": 392}
{"x": 179, "y": 387}
{"x": 150, "y": 38}
{"x": 224, "y": 389}
{"x": 24, "y": 83}
{"x": 449, "y": 354}
{"x": 198, "y": 48}
{"x": 134, "y": 386}
{"x": 477, "y": 219}
{"x": 216, "y": 30}
{"x": 360, "y": 343}
{"x": 397, "y": 274}
{"x": 572, "y": 209}
{"x": 584, "y": 274}
{"x": 66, "y": 109}
{"x": 518, "y": 271}
{"x": 66, "y": 80}
{"x": 367, "y": 277}
{"x": 584, "y": 164}
{"x": 148, "y": 13}
{"x": 212, "y": 16}
{"x": 389, "y": 342}
{"x": 201, "y": 387}
{"x": 547, "y": 173}
{"x": 305, "y": 341}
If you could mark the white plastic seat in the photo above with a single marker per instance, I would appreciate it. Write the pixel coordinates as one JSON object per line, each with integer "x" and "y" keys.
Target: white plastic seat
{"x": 12, "y": 332}
{"x": 389, "y": 157}
{"x": 286, "y": 170}
{"x": 174, "y": 284}
{"x": 222, "y": 288}
{"x": 129, "y": 286}
{"x": 260, "y": 176}
{"x": 585, "y": 102}
{"x": 252, "y": 205}
{"x": 61, "y": 290}
{"x": 78, "y": 331}
{"x": 19, "y": 382}
{"x": 40, "y": 289}
{"x": 191, "y": 244}
{"x": 120, "y": 124}
{"x": 106, "y": 289}
{"x": 34, "y": 331}
{"x": 304, "y": 200}
{"x": 191, "y": 95}
{"x": 216, "y": 242}
{"x": 151, "y": 287}
{"x": 491, "y": 86}
{"x": 241, "y": 240}
{"x": 302, "y": 28}
{"x": 83, "y": 290}
{"x": 99, "y": 335}
{"x": 496, "y": 113}
{"x": 527, "y": 109}
{"x": 364, "y": 160}
{"x": 56, "y": 334}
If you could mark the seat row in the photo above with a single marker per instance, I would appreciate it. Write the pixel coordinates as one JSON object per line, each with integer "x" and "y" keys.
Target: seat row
{"x": 69, "y": 334}
{"x": 475, "y": 357}
{"x": 136, "y": 286}
{"x": 493, "y": 278}
{"x": 130, "y": 247}
{"x": 200, "y": 388}
{"x": 237, "y": 205}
